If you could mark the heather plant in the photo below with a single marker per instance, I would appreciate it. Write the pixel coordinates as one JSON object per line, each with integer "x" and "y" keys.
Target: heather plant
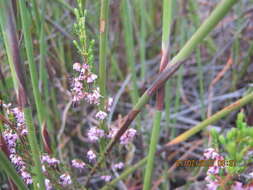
{"x": 60, "y": 66}
{"x": 232, "y": 155}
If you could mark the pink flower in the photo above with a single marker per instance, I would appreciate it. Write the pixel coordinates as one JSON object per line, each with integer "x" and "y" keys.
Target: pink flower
{"x": 106, "y": 178}
{"x": 91, "y": 78}
{"x": 94, "y": 133}
{"x": 78, "y": 164}
{"x": 49, "y": 160}
{"x": 109, "y": 104}
{"x": 65, "y": 179}
{"x": 77, "y": 84}
{"x": 127, "y": 136}
{"x": 26, "y": 177}
{"x": 48, "y": 184}
{"x": 19, "y": 116}
{"x": 11, "y": 139}
{"x": 213, "y": 170}
{"x": 17, "y": 160}
{"x": 85, "y": 67}
{"x": 212, "y": 184}
{"x": 113, "y": 132}
{"x": 249, "y": 187}
{"x": 94, "y": 97}
{"x": 210, "y": 153}
{"x": 101, "y": 115}
{"x": 238, "y": 186}
{"x": 91, "y": 155}
{"x": 77, "y": 66}
{"x": 119, "y": 165}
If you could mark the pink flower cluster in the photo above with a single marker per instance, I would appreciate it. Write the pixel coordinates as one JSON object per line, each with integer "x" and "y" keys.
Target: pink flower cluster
{"x": 210, "y": 153}
{"x": 213, "y": 183}
{"x": 19, "y": 116}
{"x": 26, "y": 177}
{"x": 118, "y": 166}
{"x": 85, "y": 77}
{"x": 212, "y": 173}
{"x": 91, "y": 155}
{"x": 101, "y": 115}
{"x": 48, "y": 184}
{"x": 78, "y": 164}
{"x": 21, "y": 168}
{"x": 11, "y": 138}
{"x": 127, "y": 136}
{"x": 106, "y": 178}
{"x": 65, "y": 179}
{"x": 46, "y": 159}
{"x": 84, "y": 88}
{"x": 94, "y": 134}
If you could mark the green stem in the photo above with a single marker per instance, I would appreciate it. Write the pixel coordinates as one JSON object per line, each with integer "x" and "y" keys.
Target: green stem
{"x": 30, "y": 56}
{"x": 152, "y": 150}
{"x": 142, "y": 9}
{"x": 103, "y": 44}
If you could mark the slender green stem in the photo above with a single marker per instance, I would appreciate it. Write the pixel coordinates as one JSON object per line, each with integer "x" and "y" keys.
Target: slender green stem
{"x": 30, "y": 56}
{"x": 103, "y": 44}
{"x": 103, "y": 49}
{"x": 142, "y": 10}
{"x": 152, "y": 150}
{"x": 11, "y": 172}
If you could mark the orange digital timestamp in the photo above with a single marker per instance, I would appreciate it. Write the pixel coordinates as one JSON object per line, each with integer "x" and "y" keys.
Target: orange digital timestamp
{"x": 205, "y": 163}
